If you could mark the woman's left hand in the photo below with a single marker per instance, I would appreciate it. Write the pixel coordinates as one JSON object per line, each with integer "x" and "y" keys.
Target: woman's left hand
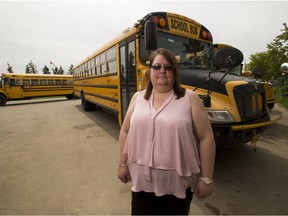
{"x": 203, "y": 190}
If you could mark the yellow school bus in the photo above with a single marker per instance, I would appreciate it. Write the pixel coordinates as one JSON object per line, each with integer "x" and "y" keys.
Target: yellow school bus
{"x": 27, "y": 86}
{"x": 107, "y": 78}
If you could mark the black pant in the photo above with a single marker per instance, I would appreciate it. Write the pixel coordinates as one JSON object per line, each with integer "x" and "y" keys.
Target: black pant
{"x": 144, "y": 203}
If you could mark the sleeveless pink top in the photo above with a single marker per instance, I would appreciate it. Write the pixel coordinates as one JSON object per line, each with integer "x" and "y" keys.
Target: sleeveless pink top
{"x": 161, "y": 147}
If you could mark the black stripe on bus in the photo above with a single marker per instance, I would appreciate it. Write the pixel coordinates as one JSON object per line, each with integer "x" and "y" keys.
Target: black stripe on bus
{"x": 43, "y": 90}
{"x": 103, "y": 97}
{"x": 97, "y": 76}
{"x": 98, "y": 85}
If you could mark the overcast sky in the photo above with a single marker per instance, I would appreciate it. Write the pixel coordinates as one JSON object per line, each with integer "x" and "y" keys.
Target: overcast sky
{"x": 65, "y": 32}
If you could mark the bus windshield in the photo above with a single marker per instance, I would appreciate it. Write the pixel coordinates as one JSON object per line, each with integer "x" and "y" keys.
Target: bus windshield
{"x": 190, "y": 53}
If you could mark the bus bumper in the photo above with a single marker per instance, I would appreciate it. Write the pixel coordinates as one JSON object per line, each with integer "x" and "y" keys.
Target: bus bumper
{"x": 235, "y": 135}
{"x": 256, "y": 125}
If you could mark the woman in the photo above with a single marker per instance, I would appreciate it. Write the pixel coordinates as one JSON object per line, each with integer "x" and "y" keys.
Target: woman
{"x": 167, "y": 146}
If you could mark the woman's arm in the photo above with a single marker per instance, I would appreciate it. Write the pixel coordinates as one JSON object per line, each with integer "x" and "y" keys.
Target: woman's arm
{"x": 123, "y": 172}
{"x": 207, "y": 148}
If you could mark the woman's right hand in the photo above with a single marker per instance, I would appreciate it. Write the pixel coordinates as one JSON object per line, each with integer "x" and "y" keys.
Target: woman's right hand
{"x": 123, "y": 174}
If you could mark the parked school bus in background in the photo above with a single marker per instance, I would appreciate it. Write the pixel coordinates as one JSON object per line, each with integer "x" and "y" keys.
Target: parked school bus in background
{"x": 107, "y": 78}
{"x": 252, "y": 77}
{"x": 27, "y": 86}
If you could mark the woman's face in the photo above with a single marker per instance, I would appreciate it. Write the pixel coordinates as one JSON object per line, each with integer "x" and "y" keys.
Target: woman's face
{"x": 162, "y": 72}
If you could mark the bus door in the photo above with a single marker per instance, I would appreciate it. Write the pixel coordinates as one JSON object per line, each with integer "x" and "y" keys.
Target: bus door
{"x": 127, "y": 73}
{"x": 13, "y": 89}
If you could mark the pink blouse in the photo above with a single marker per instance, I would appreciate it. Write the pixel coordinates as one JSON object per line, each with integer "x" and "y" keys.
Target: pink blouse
{"x": 161, "y": 147}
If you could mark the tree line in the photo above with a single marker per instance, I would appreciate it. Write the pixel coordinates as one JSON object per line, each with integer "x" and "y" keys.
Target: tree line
{"x": 268, "y": 64}
{"x": 32, "y": 69}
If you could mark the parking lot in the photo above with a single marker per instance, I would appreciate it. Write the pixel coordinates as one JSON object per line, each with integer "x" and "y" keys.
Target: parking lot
{"x": 57, "y": 159}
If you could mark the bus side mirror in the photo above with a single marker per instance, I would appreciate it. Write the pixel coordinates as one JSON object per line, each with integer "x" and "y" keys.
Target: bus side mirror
{"x": 150, "y": 35}
{"x": 284, "y": 69}
{"x": 257, "y": 73}
{"x": 228, "y": 57}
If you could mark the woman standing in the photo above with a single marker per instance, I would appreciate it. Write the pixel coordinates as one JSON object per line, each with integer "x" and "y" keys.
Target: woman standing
{"x": 167, "y": 146}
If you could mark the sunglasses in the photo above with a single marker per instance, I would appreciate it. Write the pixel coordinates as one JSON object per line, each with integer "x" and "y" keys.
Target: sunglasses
{"x": 166, "y": 67}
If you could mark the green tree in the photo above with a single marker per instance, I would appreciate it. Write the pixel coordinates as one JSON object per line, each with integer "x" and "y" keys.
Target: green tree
{"x": 27, "y": 70}
{"x": 55, "y": 70}
{"x": 270, "y": 61}
{"x": 70, "y": 70}
{"x": 46, "y": 70}
{"x": 9, "y": 69}
{"x": 60, "y": 71}
{"x": 31, "y": 68}
{"x": 279, "y": 47}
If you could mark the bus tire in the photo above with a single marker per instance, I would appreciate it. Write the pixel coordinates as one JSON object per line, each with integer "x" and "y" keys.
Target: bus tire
{"x": 271, "y": 106}
{"x": 70, "y": 97}
{"x": 86, "y": 105}
{"x": 3, "y": 100}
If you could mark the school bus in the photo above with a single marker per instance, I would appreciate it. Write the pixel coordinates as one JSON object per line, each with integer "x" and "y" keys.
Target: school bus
{"x": 26, "y": 86}
{"x": 238, "y": 70}
{"x": 107, "y": 78}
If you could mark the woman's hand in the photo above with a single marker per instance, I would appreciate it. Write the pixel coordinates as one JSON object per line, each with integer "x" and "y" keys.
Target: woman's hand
{"x": 123, "y": 174}
{"x": 203, "y": 190}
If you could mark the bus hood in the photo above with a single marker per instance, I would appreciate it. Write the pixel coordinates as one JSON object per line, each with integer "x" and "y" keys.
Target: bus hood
{"x": 210, "y": 80}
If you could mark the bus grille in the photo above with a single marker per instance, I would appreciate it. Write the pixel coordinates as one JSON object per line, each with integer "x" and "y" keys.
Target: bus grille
{"x": 251, "y": 101}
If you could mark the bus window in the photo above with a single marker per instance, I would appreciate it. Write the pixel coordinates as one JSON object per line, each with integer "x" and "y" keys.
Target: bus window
{"x": 12, "y": 82}
{"x": 43, "y": 82}
{"x": 93, "y": 72}
{"x": 50, "y": 81}
{"x": 111, "y": 59}
{"x": 64, "y": 82}
{"x": 57, "y": 82}
{"x": 17, "y": 82}
{"x": 112, "y": 66}
{"x": 26, "y": 81}
{"x": 122, "y": 64}
{"x": 34, "y": 82}
{"x": 103, "y": 63}
{"x": 131, "y": 62}
{"x": 98, "y": 71}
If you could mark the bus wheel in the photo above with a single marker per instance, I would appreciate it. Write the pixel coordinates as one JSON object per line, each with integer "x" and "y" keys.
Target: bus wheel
{"x": 86, "y": 105}
{"x": 271, "y": 106}
{"x": 70, "y": 97}
{"x": 3, "y": 100}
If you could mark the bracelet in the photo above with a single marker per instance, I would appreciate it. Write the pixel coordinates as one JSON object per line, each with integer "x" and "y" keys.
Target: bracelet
{"x": 206, "y": 180}
{"x": 122, "y": 165}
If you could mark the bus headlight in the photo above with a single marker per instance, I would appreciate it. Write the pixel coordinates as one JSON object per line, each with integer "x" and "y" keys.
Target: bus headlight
{"x": 220, "y": 116}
